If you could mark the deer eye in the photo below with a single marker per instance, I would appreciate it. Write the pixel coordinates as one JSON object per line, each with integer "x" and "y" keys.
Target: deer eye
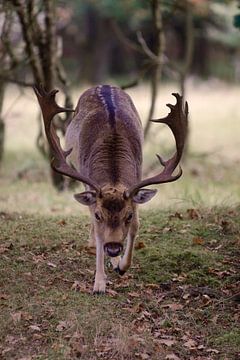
{"x": 129, "y": 218}
{"x": 97, "y": 217}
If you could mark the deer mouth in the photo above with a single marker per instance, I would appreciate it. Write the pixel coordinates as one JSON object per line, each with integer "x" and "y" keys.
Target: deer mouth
{"x": 113, "y": 249}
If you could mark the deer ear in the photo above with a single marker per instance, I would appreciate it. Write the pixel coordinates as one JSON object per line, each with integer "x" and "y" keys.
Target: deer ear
{"x": 144, "y": 195}
{"x": 86, "y": 198}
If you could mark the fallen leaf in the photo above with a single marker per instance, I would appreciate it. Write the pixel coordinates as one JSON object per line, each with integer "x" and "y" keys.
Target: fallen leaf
{"x": 173, "y": 306}
{"x": 197, "y": 240}
{"x": 62, "y": 222}
{"x": 227, "y": 227}
{"x": 172, "y": 357}
{"x": 190, "y": 344}
{"x": 193, "y": 214}
{"x": 134, "y": 294}
{"x": 51, "y": 264}
{"x": 166, "y": 230}
{"x": 136, "y": 308}
{"x": 17, "y": 316}
{"x": 4, "y": 296}
{"x": 3, "y": 249}
{"x": 212, "y": 351}
{"x": 167, "y": 342}
{"x": 112, "y": 292}
{"x": 183, "y": 231}
{"x": 152, "y": 286}
{"x": 177, "y": 215}
{"x": 79, "y": 286}
{"x": 144, "y": 356}
{"x": 90, "y": 250}
{"x": 78, "y": 349}
{"x": 139, "y": 245}
{"x": 6, "y": 350}
{"x": 62, "y": 325}
{"x": 34, "y": 328}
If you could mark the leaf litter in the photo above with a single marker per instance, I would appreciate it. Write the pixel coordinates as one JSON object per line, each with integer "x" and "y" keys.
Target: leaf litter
{"x": 176, "y": 317}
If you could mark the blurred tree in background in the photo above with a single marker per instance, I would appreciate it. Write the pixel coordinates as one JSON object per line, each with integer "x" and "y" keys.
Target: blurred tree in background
{"x": 31, "y": 27}
{"x": 100, "y": 37}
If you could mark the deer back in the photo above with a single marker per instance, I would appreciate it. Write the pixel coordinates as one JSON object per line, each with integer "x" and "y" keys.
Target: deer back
{"x": 106, "y": 136}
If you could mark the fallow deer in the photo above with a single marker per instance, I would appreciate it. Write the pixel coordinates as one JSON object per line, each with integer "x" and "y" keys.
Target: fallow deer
{"x": 104, "y": 148}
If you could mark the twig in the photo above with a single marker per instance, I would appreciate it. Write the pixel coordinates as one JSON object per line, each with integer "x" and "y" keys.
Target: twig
{"x": 16, "y": 81}
{"x": 128, "y": 44}
{"x": 140, "y": 76}
{"x": 146, "y": 49}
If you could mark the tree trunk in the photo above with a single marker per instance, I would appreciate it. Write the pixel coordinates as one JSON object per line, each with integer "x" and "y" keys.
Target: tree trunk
{"x": 2, "y": 125}
{"x": 189, "y": 40}
{"x": 159, "y": 46}
{"x": 49, "y": 66}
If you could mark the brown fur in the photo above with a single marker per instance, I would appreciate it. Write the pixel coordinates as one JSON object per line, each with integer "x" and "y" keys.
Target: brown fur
{"x": 109, "y": 151}
{"x": 107, "y": 155}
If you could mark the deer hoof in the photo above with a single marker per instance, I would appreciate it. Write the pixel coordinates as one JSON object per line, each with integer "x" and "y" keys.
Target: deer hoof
{"x": 98, "y": 292}
{"x": 119, "y": 271}
{"x": 99, "y": 287}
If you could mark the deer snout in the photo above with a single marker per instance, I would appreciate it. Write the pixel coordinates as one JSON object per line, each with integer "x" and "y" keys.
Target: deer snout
{"x": 113, "y": 249}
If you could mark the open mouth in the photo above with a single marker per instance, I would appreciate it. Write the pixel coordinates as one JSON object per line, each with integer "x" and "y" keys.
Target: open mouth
{"x": 113, "y": 249}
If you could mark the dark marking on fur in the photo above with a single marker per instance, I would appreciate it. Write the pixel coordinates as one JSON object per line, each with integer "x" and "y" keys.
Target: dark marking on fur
{"x": 114, "y": 221}
{"x": 113, "y": 205}
{"x": 112, "y": 155}
{"x": 106, "y": 96}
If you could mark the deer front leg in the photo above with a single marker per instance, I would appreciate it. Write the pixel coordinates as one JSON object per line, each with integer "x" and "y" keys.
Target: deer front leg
{"x": 125, "y": 262}
{"x": 92, "y": 241}
{"x": 100, "y": 277}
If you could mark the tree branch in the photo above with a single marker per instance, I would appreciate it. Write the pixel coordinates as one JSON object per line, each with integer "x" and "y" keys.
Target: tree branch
{"x": 49, "y": 65}
{"x": 28, "y": 37}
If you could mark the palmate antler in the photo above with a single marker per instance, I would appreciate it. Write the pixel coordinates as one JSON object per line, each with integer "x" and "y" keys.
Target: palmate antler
{"x": 177, "y": 120}
{"x": 49, "y": 109}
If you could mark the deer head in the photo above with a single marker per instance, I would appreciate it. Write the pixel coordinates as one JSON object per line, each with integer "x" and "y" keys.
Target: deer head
{"x": 112, "y": 213}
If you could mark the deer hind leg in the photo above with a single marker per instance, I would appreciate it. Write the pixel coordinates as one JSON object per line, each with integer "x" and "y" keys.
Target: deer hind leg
{"x": 122, "y": 264}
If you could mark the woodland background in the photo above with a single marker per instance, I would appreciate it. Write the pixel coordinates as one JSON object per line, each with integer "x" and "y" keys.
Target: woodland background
{"x": 180, "y": 300}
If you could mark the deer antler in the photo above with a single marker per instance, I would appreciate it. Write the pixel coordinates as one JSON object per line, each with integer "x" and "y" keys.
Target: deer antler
{"x": 177, "y": 120}
{"x": 49, "y": 109}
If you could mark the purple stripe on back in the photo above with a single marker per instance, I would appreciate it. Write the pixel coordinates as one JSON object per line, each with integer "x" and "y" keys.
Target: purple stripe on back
{"x": 106, "y": 95}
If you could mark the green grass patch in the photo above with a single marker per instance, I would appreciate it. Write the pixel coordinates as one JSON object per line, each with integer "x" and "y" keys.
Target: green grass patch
{"x": 174, "y": 298}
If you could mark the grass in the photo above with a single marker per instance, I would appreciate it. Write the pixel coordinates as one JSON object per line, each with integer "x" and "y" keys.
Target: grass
{"x": 178, "y": 291}
{"x": 180, "y": 299}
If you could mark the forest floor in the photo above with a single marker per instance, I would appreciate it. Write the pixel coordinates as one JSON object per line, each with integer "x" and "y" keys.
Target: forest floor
{"x": 181, "y": 297}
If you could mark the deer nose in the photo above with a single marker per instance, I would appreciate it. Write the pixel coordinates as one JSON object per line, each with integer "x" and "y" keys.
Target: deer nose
{"x": 113, "y": 249}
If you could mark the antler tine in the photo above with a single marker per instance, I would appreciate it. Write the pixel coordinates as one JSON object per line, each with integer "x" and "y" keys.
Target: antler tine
{"x": 177, "y": 120}
{"x": 49, "y": 109}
